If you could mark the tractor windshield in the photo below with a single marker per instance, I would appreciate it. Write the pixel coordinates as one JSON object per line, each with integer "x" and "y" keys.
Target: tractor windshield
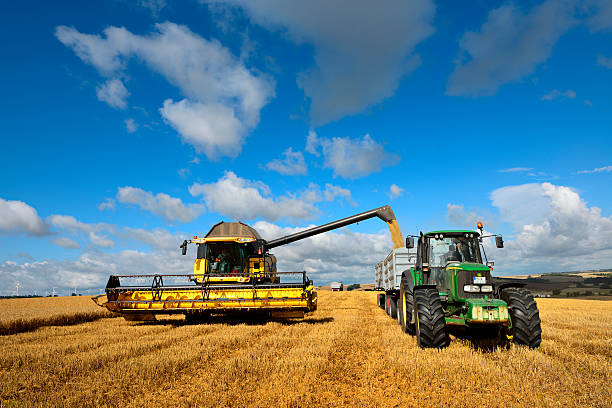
{"x": 448, "y": 249}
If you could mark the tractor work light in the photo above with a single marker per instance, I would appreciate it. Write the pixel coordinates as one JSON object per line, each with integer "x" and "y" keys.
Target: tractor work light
{"x": 471, "y": 288}
{"x": 486, "y": 288}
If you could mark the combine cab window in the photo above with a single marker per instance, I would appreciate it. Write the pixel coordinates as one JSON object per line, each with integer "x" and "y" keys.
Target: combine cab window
{"x": 223, "y": 258}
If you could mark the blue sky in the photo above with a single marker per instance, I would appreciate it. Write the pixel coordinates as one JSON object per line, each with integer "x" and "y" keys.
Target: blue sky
{"x": 130, "y": 126}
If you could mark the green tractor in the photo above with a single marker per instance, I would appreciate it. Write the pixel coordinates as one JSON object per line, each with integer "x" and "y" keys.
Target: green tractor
{"x": 449, "y": 290}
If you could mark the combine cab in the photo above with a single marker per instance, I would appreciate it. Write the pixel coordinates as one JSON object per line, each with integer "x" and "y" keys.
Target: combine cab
{"x": 234, "y": 273}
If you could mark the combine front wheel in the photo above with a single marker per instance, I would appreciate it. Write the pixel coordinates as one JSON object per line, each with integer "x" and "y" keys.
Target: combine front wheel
{"x": 430, "y": 322}
{"x": 525, "y": 317}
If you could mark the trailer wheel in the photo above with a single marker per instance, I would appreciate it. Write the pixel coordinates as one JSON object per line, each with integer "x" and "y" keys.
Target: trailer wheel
{"x": 406, "y": 300}
{"x": 399, "y": 311}
{"x": 526, "y": 325}
{"x": 392, "y": 308}
{"x": 381, "y": 300}
{"x": 430, "y": 322}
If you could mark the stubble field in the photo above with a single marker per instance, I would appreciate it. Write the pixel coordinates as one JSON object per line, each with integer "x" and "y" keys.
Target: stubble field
{"x": 348, "y": 353}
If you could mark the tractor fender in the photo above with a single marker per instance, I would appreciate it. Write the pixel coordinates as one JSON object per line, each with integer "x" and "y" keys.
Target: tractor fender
{"x": 499, "y": 288}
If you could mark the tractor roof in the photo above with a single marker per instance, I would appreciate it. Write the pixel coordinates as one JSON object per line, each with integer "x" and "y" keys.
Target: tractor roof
{"x": 232, "y": 229}
{"x": 453, "y": 232}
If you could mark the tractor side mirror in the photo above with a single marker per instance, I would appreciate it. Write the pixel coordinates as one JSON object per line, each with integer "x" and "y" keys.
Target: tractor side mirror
{"x": 409, "y": 242}
{"x": 499, "y": 241}
{"x": 184, "y": 248}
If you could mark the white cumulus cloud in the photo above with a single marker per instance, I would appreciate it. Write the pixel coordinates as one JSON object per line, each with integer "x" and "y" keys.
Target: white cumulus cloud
{"x": 553, "y": 228}
{"x": 395, "y": 191}
{"x": 212, "y": 129}
{"x": 361, "y": 49}
{"x": 114, "y": 93}
{"x": 130, "y": 125}
{"x": 170, "y": 208}
{"x": 244, "y": 199}
{"x": 92, "y": 231}
{"x": 222, "y": 95}
{"x": 19, "y": 217}
{"x": 292, "y": 163}
{"x": 351, "y": 158}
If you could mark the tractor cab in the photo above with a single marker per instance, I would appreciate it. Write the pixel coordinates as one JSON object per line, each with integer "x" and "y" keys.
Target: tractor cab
{"x": 444, "y": 251}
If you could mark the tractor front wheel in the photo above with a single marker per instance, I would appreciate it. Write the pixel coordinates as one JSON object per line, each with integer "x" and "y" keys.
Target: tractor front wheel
{"x": 430, "y": 322}
{"x": 526, "y": 325}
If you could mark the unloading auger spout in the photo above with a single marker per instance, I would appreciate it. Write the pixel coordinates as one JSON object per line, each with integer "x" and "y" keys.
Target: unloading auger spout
{"x": 385, "y": 213}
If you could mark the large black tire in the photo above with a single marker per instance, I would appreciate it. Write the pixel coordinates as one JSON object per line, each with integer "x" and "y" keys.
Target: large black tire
{"x": 387, "y": 307}
{"x": 381, "y": 300}
{"x": 406, "y": 300}
{"x": 430, "y": 322}
{"x": 392, "y": 308}
{"x": 399, "y": 311}
{"x": 525, "y": 317}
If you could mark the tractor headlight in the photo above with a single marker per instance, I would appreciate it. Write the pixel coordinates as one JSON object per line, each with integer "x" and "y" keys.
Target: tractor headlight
{"x": 486, "y": 288}
{"x": 471, "y": 288}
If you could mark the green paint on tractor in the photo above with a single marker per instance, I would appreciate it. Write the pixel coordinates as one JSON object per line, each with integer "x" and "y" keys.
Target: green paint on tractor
{"x": 450, "y": 290}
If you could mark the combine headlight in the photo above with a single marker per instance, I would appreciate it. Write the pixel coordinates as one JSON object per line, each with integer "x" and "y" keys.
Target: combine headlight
{"x": 471, "y": 288}
{"x": 486, "y": 288}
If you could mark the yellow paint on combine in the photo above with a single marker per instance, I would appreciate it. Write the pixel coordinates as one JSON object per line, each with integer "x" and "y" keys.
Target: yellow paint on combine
{"x": 220, "y": 300}
{"x": 396, "y": 234}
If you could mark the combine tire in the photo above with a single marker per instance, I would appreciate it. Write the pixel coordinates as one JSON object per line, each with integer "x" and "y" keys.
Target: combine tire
{"x": 430, "y": 322}
{"x": 392, "y": 308}
{"x": 406, "y": 300}
{"x": 525, "y": 317}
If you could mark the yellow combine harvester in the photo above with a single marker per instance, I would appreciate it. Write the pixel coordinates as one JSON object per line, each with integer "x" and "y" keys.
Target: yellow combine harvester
{"x": 233, "y": 273}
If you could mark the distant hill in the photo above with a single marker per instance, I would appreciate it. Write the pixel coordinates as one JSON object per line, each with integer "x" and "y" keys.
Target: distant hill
{"x": 565, "y": 284}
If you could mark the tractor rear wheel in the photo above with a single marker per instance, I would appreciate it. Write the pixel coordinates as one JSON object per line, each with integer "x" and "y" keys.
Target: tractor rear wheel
{"x": 387, "y": 309}
{"x": 406, "y": 300}
{"x": 392, "y": 308}
{"x": 525, "y": 317}
{"x": 430, "y": 322}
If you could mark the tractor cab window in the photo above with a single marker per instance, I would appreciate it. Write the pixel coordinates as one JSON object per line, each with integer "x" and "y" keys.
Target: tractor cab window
{"x": 224, "y": 257}
{"x": 445, "y": 249}
{"x": 452, "y": 249}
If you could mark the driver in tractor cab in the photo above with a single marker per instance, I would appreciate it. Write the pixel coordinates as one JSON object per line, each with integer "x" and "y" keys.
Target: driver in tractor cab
{"x": 452, "y": 254}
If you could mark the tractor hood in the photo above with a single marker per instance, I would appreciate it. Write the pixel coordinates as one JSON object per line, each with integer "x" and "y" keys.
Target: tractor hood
{"x": 467, "y": 266}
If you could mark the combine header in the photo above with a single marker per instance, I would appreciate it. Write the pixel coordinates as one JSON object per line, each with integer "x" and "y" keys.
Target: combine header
{"x": 234, "y": 272}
